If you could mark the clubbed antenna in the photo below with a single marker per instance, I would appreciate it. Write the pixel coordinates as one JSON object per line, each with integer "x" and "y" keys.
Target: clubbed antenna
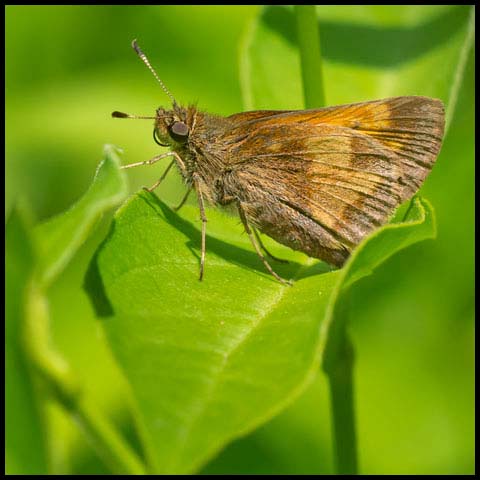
{"x": 127, "y": 115}
{"x": 147, "y": 63}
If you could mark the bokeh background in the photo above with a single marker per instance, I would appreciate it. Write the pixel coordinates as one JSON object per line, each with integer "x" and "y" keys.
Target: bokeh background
{"x": 68, "y": 67}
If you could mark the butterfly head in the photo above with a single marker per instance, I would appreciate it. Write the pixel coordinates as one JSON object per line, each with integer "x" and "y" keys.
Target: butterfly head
{"x": 171, "y": 127}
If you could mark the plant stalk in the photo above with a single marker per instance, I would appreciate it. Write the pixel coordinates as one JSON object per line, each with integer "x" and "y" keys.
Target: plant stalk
{"x": 340, "y": 377}
{"x": 65, "y": 388}
{"x": 310, "y": 55}
{"x": 109, "y": 444}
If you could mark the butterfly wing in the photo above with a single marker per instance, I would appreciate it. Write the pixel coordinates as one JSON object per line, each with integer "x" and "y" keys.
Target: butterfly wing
{"x": 319, "y": 181}
{"x": 244, "y": 117}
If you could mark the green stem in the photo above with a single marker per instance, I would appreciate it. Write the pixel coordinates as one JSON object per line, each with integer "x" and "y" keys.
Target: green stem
{"x": 65, "y": 388}
{"x": 108, "y": 443}
{"x": 338, "y": 363}
{"x": 310, "y": 55}
{"x": 341, "y": 399}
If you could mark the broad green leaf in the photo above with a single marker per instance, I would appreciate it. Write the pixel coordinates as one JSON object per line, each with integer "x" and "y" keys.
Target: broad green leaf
{"x": 25, "y": 448}
{"x": 209, "y": 361}
{"x": 60, "y": 237}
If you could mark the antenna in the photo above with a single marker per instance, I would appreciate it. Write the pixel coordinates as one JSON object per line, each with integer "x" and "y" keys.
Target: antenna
{"x": 127, "y": 115}
{"x": 147, "y": 63}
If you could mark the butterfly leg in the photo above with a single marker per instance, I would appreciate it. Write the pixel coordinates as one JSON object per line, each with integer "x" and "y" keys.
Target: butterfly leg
{"x": 243, "y": 217}
{"x": 262, "y": 246}
{"x": 184, "y": 199}
{"x": 159, "y": 181}
{"x": 154, "y": 160}
{"x": 204, "y": 222}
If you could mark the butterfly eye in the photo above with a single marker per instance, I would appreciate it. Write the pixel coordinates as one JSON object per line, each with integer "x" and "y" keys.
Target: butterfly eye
{"x": 179, "y": 131}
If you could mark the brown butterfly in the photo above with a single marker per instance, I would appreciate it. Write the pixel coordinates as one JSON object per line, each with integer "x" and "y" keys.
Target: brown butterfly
{"x": 317, "y": 181}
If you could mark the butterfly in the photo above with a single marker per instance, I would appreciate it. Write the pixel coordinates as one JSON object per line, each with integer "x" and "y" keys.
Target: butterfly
{"x": 318, "y": 181}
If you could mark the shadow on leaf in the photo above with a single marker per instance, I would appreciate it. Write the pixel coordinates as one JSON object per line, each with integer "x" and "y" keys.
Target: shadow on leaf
{"x": 230, "y": 253}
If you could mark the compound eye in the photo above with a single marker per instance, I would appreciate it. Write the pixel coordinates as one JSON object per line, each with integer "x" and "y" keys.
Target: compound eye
{"x": 179, "y": 131}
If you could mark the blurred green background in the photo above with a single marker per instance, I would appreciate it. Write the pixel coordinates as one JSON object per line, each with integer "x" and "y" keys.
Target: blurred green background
{"x": 69, "y": 67}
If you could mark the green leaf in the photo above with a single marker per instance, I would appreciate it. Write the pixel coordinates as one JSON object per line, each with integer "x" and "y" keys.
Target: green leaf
{"x": 25, "y": 449}
{"x": 209, "y": 361}
{"x": 60, "y": 237}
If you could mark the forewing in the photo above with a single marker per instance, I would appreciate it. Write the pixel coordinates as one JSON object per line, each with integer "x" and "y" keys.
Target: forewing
{"x": 244, "y": 117}
{"x": 345, "y": 168}
{"x": 410, "y": 127}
